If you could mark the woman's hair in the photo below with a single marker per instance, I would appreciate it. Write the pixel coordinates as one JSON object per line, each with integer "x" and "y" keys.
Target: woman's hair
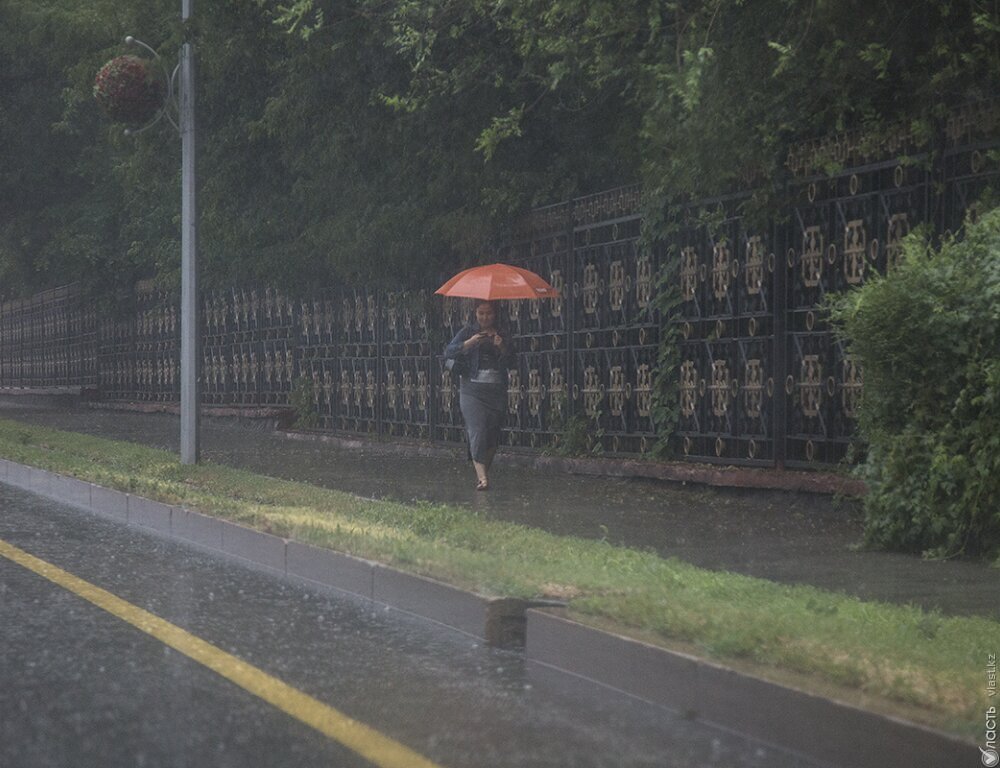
{"x": 477, "y": 303}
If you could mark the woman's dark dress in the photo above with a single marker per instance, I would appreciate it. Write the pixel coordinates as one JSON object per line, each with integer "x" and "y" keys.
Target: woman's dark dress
{"x": 482, "y": 393}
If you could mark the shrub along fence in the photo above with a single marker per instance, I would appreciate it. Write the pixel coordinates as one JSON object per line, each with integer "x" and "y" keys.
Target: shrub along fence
{"x": 760, "y": 379}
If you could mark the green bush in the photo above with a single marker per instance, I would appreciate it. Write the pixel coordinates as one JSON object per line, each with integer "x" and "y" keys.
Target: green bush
{"x": 303, "y": 401}
{"x": 579, "y": 435}
{"x": 928, "y": 340}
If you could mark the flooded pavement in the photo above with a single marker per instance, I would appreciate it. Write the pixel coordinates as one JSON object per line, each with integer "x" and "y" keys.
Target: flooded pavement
{"x": 80, "y": 687}
{"x": 778, "y": 535}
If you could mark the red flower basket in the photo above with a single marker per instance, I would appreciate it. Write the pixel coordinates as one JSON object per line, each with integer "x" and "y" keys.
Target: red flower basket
{"x": 128, "y": 90}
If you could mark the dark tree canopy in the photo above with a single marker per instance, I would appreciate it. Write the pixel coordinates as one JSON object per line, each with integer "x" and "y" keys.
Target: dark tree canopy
{"x": 387, "y": 140}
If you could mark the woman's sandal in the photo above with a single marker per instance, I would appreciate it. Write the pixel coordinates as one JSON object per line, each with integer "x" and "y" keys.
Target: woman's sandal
{"x": 483, "y": 485}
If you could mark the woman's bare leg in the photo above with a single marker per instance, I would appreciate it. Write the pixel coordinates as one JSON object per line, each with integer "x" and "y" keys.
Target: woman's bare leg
{"x": 480, "y": 472}
{"x": 483, "y": 468}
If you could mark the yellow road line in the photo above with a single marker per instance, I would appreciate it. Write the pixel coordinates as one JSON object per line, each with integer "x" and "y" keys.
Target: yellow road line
{"x": 356, "y": 736}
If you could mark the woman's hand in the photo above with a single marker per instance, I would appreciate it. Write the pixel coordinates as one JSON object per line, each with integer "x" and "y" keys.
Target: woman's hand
{"x": 474, "y": 341}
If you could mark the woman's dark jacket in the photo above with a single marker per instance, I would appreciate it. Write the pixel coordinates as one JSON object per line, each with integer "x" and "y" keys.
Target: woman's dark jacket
{"x": 454, "y": 350}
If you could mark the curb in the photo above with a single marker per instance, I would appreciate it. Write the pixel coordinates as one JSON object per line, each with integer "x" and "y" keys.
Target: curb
{"x": 278, "y": 414}
{"x": 73, "y": 391}
{"x": 668, "y": 471}
{"x": 821, "y": 729}
{"x": 491, "y": 620}
{"x": 394, "y": 448}
{"x": 702, "y": 474}
{"x": 830, "y": 732}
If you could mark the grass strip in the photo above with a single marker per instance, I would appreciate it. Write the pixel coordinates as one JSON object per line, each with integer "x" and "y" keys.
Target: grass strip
{"x": 894, "y": 658}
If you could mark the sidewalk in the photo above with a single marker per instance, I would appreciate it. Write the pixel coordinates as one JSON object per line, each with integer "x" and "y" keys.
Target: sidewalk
{"x": 778, "y": 535}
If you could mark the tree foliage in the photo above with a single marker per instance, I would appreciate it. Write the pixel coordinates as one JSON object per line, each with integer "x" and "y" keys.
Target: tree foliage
{"x": 389, "y": 140}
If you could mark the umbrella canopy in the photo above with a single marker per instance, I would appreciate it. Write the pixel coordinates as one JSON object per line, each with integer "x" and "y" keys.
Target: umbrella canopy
{"x": 498, "y": 281}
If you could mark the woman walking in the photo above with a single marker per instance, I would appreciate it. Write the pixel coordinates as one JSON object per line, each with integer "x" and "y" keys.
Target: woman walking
{"x": 483, "y": 388}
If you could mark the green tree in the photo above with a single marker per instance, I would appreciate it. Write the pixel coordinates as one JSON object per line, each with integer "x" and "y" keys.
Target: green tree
{"x": 66, "y": 211}
{"x": 390, "y": 140}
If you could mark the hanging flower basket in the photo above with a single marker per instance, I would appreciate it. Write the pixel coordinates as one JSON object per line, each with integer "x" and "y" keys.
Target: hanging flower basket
{"x": 129, "y": 90}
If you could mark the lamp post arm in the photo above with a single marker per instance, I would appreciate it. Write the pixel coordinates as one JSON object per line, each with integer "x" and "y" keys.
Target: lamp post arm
{"x": 164, "y": 111}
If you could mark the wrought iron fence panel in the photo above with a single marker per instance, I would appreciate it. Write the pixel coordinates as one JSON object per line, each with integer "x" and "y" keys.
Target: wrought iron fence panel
{"x": 755, "y": 389}
{"x": 154, "y": 344}
{"x": 319, "y": 372}
{"x": 345, "y": 374}
{"x": 90, "y": 345}
{"x": 360, "y": 316}
{"x": 542, "y": 245}
{"x": 7, "y": 351}
{"x": 405, "y": 371}
{"x": 305, "y": 340}
{"x": 278, "y": 370}
{"x": 538, "y": 397}
{"x": 45, "y": 343}
{"x": 406, "y": 398}
{"x": 357, "y": 406}
{"x": 116, "y": 358}
{"x": 221, "y": 369}
{"x": 971, "y": 162}
{"x": 613, "y": 332}
{"x": 447, "y": 425}
{"x": 727, "y": 287}
{"x": 538, "y": 385}
{"x": 446, "y": 318}
{"x": 844, "y": 228}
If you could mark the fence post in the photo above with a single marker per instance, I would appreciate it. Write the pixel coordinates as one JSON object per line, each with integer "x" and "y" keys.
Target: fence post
{"x": 379, "y": 361}
{"x": 782, "y": 243}
{"x": 569, "y": 308}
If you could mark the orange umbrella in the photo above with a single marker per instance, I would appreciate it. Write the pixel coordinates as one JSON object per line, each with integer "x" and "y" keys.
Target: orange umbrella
{"x": 497, "y": 281}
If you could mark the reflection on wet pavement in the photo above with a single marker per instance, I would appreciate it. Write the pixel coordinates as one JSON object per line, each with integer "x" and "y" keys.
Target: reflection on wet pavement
{"x": 787, "y": 537}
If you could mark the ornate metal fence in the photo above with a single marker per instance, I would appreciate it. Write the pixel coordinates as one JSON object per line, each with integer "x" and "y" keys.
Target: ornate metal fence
{"x": 728, "y": 282}
{"x": 761, "y": 380}
{"x": 591, "y": 353}
{"x": 841, "y": 230}
{"x": 48, "y": 341}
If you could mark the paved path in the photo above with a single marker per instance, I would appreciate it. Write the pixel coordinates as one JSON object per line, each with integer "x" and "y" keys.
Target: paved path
{"x": 778, "y": 535}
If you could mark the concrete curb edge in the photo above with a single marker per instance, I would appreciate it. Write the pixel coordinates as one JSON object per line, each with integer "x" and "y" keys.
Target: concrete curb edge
{"x": 717, "y": 476}
{"x": 492, "y": 620}
{"x": 823, "y": 729}
{"x": 784, "y": 716}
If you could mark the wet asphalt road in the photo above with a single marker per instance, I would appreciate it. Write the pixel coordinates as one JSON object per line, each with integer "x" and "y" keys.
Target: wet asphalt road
{"x": 785, "y": 537}
{"x": 79, "y": 687}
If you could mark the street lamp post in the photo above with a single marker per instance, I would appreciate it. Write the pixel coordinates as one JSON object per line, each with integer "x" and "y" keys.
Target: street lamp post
{"x": 190, "y": 331}
{"x": 190, "y": 326}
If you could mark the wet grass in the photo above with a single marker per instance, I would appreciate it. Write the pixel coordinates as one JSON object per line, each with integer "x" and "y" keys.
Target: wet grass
{"x": 923, "y": 665}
